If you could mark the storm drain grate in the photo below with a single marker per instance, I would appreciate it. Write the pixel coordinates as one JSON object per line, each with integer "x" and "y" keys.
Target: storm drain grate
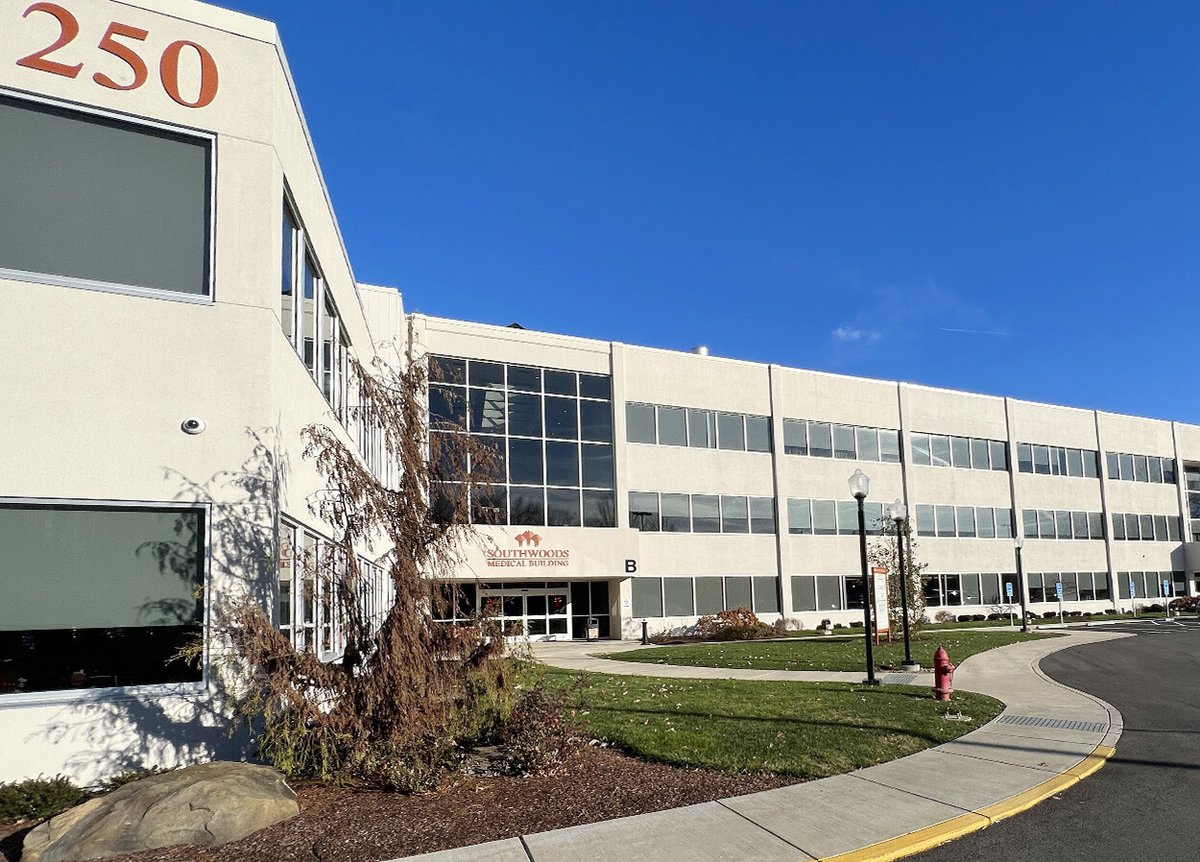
{"x": 898, "y": 678}
{"x": 1058, "y": 723}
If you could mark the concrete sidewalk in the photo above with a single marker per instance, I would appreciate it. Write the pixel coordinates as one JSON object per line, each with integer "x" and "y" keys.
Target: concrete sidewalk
{"x": 1048, "y": 738}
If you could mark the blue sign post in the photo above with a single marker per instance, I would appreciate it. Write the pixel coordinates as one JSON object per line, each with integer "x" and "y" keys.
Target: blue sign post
{"x": 1167, "y": 597}
{"x": 1133, "y": 597}
{"x": 1058, "y": 592}
{"x": 1008, "y": 590}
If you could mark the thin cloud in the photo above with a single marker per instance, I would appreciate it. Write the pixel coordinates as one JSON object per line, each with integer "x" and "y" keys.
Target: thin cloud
{"x": 852, "y": 335}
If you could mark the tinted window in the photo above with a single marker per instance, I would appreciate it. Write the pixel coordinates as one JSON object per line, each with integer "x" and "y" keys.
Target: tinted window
{"x": 525, "y": 379}
{"x": 488, "y": 375}
{"x": 983, "y": 523}
{"x": 599, "y": 509}
{"x": 639, "y": 423}
{"x": 999, "y": 455}
{"x": 643, "y": 511}
{"x": 730, "y": 432}
{"x": 562, "y": 421}
{"x": 1004, "y": 528}
{"x": 939, "y": 451}
{"x": 824, "y": 519}
{"x": 926, "y": 526}
{"x": 799, "y": 516}
{"x": 702, "y": 429}
{"x": 735, "y": 517}
{"x": 559, "y": 382}
{"x": 795, "y": 437}
{"x": 758, "y": 434}
{"x": 487, "y": 411}
{"x": 868, "y": 443}
{"x": 595, "y": 386}
{"x": 527, "y": 506}
{"x": 595, "y": 421}
{"x": 562, "y": 507}
{"x": 820, "y": 440}
{"x": 966, "y": 521}
{"x": 847, "y": 517}
{"x": 102, "y": 200}
{"x": 1024, "y": 457}
{"x": 762, "y": 515}
{"x": 525, "y": 462}
{"x": 1041, "y": 460}
{"x": 676, "y": 513}
{"x": 562, "y": 463}
{"x": 889, "y": 446}
{"x": 979, "y": 454}
{"x": 1074, "y": 462}
{"x": 960, "y": 451}
{"x": 597, "y": 466}
{"x": 706, "y": 514}
{"x": 446, "y": 370}
{"x": 920, "y": 448}
{"x": 843, "y": 441}
{"x": 524, "y": 415}
{"x": 672, "y": 426}
{"x": 945, "y": 520}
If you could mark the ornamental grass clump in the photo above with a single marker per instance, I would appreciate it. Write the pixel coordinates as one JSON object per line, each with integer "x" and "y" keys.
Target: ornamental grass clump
{"x": 736, "y": 624}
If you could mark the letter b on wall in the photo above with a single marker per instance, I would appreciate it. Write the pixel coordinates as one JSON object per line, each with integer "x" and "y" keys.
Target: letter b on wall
{"x": 630, "y": 567}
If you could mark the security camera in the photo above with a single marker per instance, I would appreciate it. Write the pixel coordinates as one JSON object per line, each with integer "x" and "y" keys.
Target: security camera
{"x": 192, "y": 425}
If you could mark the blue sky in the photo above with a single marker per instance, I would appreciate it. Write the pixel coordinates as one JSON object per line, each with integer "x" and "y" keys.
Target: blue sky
{"x": 1000, "y": 197}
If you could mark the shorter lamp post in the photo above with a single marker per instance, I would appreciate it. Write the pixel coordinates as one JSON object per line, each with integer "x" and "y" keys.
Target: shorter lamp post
{"x": 1020, "y": 543}
{"x": 898, "y": 512}
{"x": 859, "y": 486}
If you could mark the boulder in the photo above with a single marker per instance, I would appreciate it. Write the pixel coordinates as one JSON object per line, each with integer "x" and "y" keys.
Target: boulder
{"x": 211, "y": 803}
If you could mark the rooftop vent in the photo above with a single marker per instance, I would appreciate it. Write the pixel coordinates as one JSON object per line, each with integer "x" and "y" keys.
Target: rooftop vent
{"x": 701, "y": 350}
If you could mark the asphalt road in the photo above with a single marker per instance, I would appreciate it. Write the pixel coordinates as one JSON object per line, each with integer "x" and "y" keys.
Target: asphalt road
{"x": 1144, "y": 803}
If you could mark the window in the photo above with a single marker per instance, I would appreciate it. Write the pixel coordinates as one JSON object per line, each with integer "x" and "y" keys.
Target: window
{"x": 103, "y": 201}
{"x": 731, "y": 433}
{"x": 939, "y": 450}
{"x": 889, "y": 446}
{"x": 677, "y": 594}
{"x": 766, "y": 594}
{"x": 672, "y": 426}
{"x": 824, "y": 518}
{"x": 647, "y": 597}
{"x": 795, "y": 437}
{"x": 639, "y": 423}
{"x": 800, "y": 517}
{"x": 820, "y": 440}
{"x": 1140, "y": 468}
{"x": 676, "y": 513}
{"x": 985, "y": 523}
{"x": 867, "y": 440}
{"x": 847, "y": 517}
{"x": 735, "y": 517}
{"x": 843, "y": 441}
{"x": 706, "y": 514}
{"x": 1004, "y": 526}
{"x": 926, "y": 526}
{"x": 310, "y": 318}
{"x": 960, "y": 452}
{"x": 966, "y": 522}
{"x": 643, "y": 511}
{"x": 920, "y": 448}
{"x": 762, "y": 514}
{"x": 758, "y": 434}
{"x": 1029, "y": 520}
{"x": 710, "y": 595}
{"x": 1025, "y": 457}
{"x": 979, "y": 454}
{"x": 702, "y": 429}
{"x": 737, "y": 593}
{"x": 95, "y": 596}
{"x": 945, "y": 520}
{"x": 1041, "y": 460}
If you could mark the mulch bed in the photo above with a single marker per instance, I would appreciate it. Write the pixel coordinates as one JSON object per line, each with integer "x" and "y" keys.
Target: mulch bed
{"x": 338, "y": 824}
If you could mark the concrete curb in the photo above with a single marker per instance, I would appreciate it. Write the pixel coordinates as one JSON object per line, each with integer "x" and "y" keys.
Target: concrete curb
{"x": 957, "y": 827}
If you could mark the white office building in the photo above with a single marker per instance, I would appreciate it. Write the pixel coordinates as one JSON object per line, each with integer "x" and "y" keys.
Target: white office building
{"x": 179, "y": 304}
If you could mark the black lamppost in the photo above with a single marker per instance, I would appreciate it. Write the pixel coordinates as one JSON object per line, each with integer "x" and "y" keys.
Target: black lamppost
{"x": 859, "y": 486}
{"x": 1020, "y": 543}
{"x": 899, "y": 515}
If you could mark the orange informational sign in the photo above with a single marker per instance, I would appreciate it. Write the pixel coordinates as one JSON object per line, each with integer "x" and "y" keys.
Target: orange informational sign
{"x": 880, "y": 597}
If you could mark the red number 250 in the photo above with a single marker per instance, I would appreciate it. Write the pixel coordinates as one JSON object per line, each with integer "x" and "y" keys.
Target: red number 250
{"x": 168, "y": 66}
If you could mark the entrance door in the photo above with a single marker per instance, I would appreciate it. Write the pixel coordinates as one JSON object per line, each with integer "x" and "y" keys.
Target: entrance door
{"x": 535, "y": 612}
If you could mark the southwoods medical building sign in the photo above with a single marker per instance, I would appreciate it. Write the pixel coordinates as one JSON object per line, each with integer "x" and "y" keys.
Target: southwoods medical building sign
{"x": 528, "y": 554}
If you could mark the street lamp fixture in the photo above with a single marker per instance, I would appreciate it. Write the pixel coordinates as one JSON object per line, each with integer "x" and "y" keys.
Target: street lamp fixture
{"x": 1019, "y": 543}
{"x": 898, "y": 512}
{"x": 860, "y": 486}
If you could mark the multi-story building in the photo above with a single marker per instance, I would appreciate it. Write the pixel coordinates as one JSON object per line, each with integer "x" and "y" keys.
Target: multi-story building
{"x": 178, "y": 305}
{"x": 716, "y": 483}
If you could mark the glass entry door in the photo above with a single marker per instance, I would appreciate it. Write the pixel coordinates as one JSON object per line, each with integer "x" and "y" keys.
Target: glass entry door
{"x": 534, "y": 612}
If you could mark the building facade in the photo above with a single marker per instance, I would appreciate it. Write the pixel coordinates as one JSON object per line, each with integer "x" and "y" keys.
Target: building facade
{"x": 717, "y": 484}
{"x": 179, "y": 305}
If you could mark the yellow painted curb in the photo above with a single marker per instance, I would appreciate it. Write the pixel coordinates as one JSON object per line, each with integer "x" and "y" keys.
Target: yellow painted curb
{"x": 964, "y": 824}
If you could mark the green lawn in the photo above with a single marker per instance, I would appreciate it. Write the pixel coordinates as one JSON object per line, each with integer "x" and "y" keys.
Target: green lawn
{"x": 809, "y": 730}
{"x": 826, "y": 653}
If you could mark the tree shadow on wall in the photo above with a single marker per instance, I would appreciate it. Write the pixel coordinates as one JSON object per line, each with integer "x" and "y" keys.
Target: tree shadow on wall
{"x": 190, "y": 722}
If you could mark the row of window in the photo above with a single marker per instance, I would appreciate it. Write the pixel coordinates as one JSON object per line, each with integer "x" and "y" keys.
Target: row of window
{"x": 964, "y": 522}
{"x": 826, "y": 440}
{"x": 519, "y": 414}
{"x": 519, "y": 461}
{"x": 940, "y": 450}
{"x": 310, "y": 316}
{"x": 653, "y": 512}
{"x": 1058, "y": 461}
{"x": 1151, "y": 585}
{"x": 1141, "y": 468}
{"x": 480, "y": 374}
{"x": 685, "y": 597}
{"x": 530, "y": 506}
{"x": 1053, "y": 524}
{"x": 701, "y": 429}
{"x": 1192, "y": 479}
{"x": 831, "y": 517}
{"x": 1146, "y": 528}
{"x": 308, "y": 609}
{"x": 1076, "y": 586}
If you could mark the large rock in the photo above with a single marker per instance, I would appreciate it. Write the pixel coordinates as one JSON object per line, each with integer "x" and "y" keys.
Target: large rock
{"x": 207, "y": 804}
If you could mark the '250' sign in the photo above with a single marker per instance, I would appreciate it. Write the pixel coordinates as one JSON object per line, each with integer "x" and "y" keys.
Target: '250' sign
{"x": 168, "y": 64}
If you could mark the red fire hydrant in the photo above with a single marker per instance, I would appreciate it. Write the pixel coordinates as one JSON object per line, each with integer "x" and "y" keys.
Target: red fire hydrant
{"x": 943, "y": 674}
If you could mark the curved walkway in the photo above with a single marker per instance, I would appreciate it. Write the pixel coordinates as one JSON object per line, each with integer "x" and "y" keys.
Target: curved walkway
{"x": 1048, "y": 737}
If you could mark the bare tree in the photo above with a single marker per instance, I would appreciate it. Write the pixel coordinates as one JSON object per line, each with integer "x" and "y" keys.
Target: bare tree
{"x": 885, "y": 551}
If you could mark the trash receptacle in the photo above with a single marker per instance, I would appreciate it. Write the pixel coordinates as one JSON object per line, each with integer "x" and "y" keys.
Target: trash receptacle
{"x": 593, "y": 629}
